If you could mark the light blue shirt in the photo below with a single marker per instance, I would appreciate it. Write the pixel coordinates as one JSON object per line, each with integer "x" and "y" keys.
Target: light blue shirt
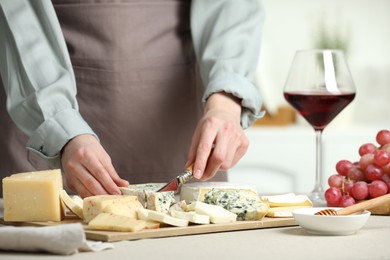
{"x": 39, "y": 81}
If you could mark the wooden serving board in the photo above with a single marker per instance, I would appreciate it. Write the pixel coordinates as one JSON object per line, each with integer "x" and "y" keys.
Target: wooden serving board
{"x": 111, "y": 236}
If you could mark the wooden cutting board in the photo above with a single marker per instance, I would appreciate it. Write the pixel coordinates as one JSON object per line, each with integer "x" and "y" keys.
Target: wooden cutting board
{"x": 111, "y": 236}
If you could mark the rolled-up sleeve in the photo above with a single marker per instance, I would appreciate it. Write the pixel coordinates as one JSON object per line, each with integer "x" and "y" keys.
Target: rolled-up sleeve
{"x": 38, "y": 78}
{"x": 226, "y": 36}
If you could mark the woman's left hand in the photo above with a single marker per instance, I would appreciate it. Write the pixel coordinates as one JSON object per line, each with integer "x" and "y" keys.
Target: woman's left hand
{"x": 219, "y": 141}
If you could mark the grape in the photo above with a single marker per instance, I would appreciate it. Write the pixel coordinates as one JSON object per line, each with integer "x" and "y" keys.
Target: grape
{"x": 386, "y": 179}
{"x": 367, "y": 148}
{"x": 386, "y": 148}
{"x": 360, "y": 190}
{"x": 333, "y": 196}
{"x": 336, "y": 180}
{"x": 343, "y": 167}
{"x": 386, "y": 168}
{"x": 373, "y": 172}
{"x": 356, "y": 174}
{"x": 348, "y": 184}
{"x": 381, "y": 158}
{"x": 366, "y": 160}
{"x": 346, "y": 201}
{"x": 377, "y": 188}
{"x": 383, "y": 137}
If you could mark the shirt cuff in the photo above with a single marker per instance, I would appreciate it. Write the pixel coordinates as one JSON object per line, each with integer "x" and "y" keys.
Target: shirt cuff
{"x": 52, "y": 135}
{"x": 241, "y": 88}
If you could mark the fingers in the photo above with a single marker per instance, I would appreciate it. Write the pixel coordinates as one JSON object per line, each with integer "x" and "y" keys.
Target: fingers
{"x": 88, "y": 168}
{"x": 216, "y": 146}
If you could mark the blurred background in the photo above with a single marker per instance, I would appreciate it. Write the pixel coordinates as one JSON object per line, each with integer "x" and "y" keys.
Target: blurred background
{"x": 281, "y": 157}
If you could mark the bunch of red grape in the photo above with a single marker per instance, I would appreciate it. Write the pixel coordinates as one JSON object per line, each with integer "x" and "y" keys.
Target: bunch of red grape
{"x": 367, "y": 178}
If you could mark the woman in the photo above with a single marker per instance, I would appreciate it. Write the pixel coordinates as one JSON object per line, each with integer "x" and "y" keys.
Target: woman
{"x": 160, "y": 85}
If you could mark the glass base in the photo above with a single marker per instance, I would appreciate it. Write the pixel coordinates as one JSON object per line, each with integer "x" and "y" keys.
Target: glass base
{"x": 318, "y": 199}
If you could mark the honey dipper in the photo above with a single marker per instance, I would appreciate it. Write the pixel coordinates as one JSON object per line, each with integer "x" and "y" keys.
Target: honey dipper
{"x": 368, "y": 204}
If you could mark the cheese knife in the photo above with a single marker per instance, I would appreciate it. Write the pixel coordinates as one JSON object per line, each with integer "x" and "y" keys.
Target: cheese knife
{"x": 175, "y": 184}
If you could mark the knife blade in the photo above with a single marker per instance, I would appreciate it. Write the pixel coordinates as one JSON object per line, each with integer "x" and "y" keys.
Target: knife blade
{"x": 175, "y": 184}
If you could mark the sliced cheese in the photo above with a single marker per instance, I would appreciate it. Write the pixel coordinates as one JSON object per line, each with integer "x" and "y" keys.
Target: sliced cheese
{"x": 288, "y": 199}
{"x": 79, "y": 201}
{"x": 94, "y": 205}
{"x": 216, "y": 213}
{"x": 33, "y": 196}
{"x": 123, "y": 209}
{"x": 246, "y": 204}
{"x": 149, "y": 197}
{"x": 195, "y": 191}
{"x": 146, "y": 214}
{"x": 71, "y": 204}
{"x": 160, "y": 201}
{"x": 111, "y": 222}
{"x": 191, "y": 216}
{"x": 283, "y": 212}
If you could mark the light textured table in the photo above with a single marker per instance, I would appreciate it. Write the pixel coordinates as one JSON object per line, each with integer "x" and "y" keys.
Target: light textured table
{"x": 371, "y": 243}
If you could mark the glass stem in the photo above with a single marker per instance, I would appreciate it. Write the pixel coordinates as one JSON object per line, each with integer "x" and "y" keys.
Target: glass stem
{"x": 318, "y": 186}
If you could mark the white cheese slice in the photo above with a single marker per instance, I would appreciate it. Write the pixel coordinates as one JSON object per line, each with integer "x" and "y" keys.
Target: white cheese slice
{"x": 195, "y": 191}
{"x": 71, "y": 204}
{"x": 283, "y": 212}
{"x": 288, "y": 199}
{"x": 191, "y": 216}
{"x": 216, "y": 213}
{"x": 146, "y": 214}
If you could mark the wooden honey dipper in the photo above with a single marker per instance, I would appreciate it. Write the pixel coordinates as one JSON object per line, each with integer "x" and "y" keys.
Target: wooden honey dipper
{"x": 368, "y": 204}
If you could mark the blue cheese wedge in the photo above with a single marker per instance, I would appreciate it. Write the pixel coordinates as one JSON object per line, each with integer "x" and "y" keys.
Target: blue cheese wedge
{"x": 246, "y": 204}
{"x": 149, "y": 197}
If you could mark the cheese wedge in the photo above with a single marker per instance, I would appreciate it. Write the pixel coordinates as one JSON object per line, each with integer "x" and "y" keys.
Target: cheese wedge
{"x": 146, "y": 214}
{"x": 111, "y": 222}
{"x": 283, "y": 212}
{"x": 191, "y": 216}
{"x": 216, "y": 213}
{"x": 71, "y": 204}
{"x": 287, "y": 200}
{"x": 94, "y": 205}
{"x": 149, "y": 197}
{"x": 33, "y": 196}
{"x": 246, "y": 204}
{"x": 195, "y": 191}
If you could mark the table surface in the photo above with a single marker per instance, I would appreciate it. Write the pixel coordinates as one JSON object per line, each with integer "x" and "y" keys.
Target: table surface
{"x": 371, "y": 242}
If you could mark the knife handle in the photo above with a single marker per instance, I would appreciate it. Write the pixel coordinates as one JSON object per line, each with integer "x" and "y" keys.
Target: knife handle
{"x": 186, "y": 175}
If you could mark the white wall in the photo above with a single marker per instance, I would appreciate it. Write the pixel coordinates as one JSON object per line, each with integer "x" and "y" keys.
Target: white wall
{"x": 282, "y": 159}
{"x": 293, "y": 24}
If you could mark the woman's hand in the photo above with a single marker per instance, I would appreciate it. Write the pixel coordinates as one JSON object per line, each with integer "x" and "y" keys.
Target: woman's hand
{"x": 219, "y": 141}
{"x": 88, "y": 169}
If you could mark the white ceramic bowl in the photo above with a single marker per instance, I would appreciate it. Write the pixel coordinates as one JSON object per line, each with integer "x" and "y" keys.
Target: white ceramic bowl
{"x": 329, "y": 225}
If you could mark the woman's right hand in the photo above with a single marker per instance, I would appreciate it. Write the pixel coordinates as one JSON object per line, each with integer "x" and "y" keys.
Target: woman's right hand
{"x": 88, "y": 169}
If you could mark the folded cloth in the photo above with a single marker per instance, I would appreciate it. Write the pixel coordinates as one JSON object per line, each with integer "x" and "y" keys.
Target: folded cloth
{"x": 62, "y": 239}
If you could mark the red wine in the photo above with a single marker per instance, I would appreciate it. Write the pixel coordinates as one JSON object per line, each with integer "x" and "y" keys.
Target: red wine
{"x": 319, "y": 107}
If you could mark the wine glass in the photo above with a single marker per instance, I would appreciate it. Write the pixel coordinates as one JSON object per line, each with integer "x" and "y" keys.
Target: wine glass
{"x": 319, "y": 86}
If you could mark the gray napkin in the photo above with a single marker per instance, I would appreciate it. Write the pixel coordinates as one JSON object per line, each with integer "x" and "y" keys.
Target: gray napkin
{"x": 63, "y": 239}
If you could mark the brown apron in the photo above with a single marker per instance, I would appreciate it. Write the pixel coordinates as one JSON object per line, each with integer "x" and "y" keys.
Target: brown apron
{"x": 137, "y": 84}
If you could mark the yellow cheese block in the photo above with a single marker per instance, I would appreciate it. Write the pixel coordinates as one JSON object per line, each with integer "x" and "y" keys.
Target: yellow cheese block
{"x": 33, "y": 196}
{"x": 111, "y": 222}
{"x": 94, "y": 205}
